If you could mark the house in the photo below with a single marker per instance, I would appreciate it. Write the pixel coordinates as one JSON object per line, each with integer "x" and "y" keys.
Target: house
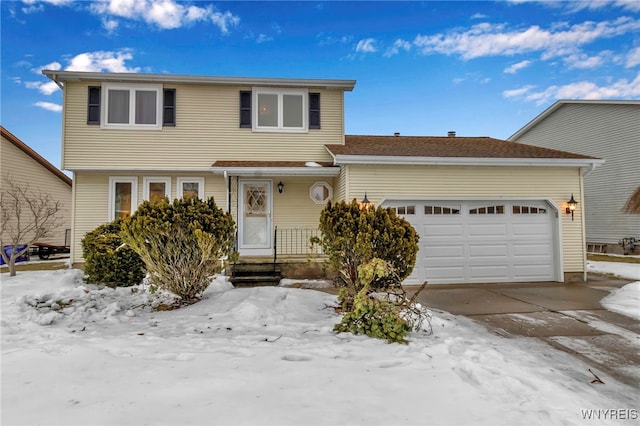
{"x": 26, "y": 167}
{"x": 606, "y": 129}
{"x": 273, "y": 152}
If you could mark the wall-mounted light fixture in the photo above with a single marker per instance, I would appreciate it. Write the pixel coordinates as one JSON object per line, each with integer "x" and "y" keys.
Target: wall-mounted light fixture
{"x": 571, "y": 206}
{"x": 365, "y": 202}
{"x": 280, "y": 187}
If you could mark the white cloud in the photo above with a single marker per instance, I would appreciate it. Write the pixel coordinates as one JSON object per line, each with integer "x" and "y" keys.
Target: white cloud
{"x": 263, "y": 38}
{"x": 632, "y": 5}
{"x": 163, "y": 14}
{"x": 49, "y": 106}
{"x": 47, "y": 88}
{"x": 487, "y": 39}
{"x": 111, "y": 25}
{"x": 633, "y": 58}
{"x": 328, "y": 39}
{"x": 512, "y": 69}
{"x": 102, "y": 61}
{"x": 621, "y": 89}
{"x": 584, "y": 61}
{"x": 366, "y": 45}
{"x": 397, "y": 46}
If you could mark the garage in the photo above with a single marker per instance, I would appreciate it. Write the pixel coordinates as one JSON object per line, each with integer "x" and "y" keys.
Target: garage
{"x": 482, "y": 241}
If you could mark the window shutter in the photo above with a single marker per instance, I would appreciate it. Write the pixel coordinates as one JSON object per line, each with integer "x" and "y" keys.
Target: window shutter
{"x": 245, "y": 109}
{"x": 314, "y": 110}
{"x": 93, "y": 105}
{"x": 169, "y": 107}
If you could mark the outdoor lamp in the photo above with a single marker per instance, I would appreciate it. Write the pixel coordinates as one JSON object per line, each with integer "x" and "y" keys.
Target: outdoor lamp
{"x": 280, "y": 187}
{"x": 365, "y": 201}
{"x": 572, "y": 203}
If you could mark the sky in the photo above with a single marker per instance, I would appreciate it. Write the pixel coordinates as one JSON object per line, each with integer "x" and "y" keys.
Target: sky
{"x": 479, "y": 68}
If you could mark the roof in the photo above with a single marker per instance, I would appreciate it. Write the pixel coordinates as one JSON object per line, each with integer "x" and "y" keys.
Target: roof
{"x": 547, "y": 112}
{"x": 274, "y": 168}
{"x": 65, "y": 76}
{"x": 449, "y": 150}
{"x": 37, "y": 157}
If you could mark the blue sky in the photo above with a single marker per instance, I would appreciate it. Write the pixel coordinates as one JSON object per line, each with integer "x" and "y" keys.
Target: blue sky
{"x": 422, "y": 68}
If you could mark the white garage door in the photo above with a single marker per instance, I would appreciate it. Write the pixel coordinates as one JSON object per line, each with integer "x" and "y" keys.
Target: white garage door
{"x": 481, "y": 242}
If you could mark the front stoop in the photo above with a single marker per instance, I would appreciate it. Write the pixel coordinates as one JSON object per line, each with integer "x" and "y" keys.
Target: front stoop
{"x": 252, "y": 274}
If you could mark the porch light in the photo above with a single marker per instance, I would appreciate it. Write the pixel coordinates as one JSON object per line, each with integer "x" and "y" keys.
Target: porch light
{"x": 365, "y": 201}
{"x": 280, "y": 187}
{"x": 572, "y": 204}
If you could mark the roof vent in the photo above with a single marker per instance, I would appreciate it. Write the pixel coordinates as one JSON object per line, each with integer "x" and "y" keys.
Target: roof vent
{"x": 396, "y": 134}
{"x": 452, "y": 133}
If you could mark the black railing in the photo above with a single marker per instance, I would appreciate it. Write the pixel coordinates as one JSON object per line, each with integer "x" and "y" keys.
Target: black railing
{"x": 295, "y": 242}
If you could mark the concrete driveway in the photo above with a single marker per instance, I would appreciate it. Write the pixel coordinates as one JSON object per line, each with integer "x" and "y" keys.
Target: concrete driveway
{"x": 568, "y": 317}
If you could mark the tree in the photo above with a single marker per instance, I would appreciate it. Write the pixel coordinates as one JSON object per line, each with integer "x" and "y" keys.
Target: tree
{"x": 26, "y": 217}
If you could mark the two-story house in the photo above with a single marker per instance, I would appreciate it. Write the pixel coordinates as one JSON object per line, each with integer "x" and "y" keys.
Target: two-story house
{"x": 273, "y": 152}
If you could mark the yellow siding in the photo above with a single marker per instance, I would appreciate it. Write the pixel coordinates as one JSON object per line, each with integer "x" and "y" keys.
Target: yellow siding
{"x": 16, "y": 164}
{"x": 294, "y": 207}
{"x": 207, "y": 129}
{"x": 92, "y": 199}
{"x": 429, "y": 182}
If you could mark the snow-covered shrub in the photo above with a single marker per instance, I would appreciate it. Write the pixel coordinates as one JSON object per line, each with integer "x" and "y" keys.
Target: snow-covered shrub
{"x": 182, "y": 243}
{"x": 107, "y": 260}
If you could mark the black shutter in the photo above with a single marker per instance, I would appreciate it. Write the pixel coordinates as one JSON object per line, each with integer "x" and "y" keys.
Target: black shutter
{"x": 169, "y": 107}
{"x": 93, "y": 105}
{"x": 314, "y": 110}
{"x": 245, "y": 109}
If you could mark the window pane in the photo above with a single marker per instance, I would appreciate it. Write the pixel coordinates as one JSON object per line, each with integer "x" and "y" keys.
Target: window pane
{"x": 156, "y": 191}
{"x": 123, "y": 199}
{"x": 118, "y": 107}
{"x": 292, "y": 110}
{"x": 190, "y": 190}
{"x": 146, "y": 107}
{"x": 267, "y": 110}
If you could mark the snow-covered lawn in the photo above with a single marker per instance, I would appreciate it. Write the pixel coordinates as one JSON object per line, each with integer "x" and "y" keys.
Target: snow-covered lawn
{"x": 268, "y": 356}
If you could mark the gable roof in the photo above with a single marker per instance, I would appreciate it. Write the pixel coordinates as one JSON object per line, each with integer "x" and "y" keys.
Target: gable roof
{"x": 547, "y": 112}
{"x": 63, "y": 76}
{"x": 37, "y": 157}
{"x": 449, "y": 150}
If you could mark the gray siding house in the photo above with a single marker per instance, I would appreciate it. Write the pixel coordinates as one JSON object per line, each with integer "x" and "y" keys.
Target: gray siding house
{"x": 607, "y": 129}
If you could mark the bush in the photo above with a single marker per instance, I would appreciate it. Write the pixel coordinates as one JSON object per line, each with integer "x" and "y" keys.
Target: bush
{"x": 107, "y": 260}
{"x": 182, "y": 243}
{"x": 352, "y": 236}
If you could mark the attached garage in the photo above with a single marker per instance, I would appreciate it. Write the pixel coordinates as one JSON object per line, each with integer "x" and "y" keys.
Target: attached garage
{"x": 486, "y": 210}
{"x": 486, "y": 241}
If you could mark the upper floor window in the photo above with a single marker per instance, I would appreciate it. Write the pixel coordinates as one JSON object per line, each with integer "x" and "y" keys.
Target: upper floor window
{"x": 132, "y": 106}
{"x": 279, "y": 110}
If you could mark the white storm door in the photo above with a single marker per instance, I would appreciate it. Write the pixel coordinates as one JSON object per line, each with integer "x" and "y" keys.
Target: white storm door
{"x": 254, "y": 233}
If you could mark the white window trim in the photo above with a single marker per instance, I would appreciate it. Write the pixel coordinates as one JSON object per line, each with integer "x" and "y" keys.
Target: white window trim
{"x": 280, "y": 92}
{"x": 149, "y": 180}
{"x": 329, "y": 187}
{"x": 132, "y": 103}
{"x": 133, "y": 180}
{"x": 198, "y": 180}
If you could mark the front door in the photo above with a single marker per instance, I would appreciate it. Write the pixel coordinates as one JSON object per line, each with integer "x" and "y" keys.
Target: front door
{"x": 254, "y": 230}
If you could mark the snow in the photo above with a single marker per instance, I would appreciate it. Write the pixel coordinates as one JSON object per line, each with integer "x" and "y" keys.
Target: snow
{"x": 78, "y": 354}
{"x": 625, "y": 300}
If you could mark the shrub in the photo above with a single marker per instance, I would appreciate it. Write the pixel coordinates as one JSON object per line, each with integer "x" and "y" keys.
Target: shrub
{"x": 352, "y": 236}
{"x": 182, "y": 243}
{"x": 107, "y": 260}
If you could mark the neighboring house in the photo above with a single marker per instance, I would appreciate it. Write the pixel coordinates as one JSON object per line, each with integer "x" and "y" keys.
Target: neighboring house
{"x": 273, "y": 153}
{"x": 26, "y": 167}
{"x": 605, "y": 129}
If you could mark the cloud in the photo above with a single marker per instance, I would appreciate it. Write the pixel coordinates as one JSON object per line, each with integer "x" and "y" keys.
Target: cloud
{"x": 397, "y": 45}
{"x": 366, "y": 45}
{"x": 512, "y": 69}
{"x": 163, "y": 14}
{"x": 49, "y": 106}
{"x": 328, "y": 39}
{"x": 584, "y": 61}
{"x": 620, "y": 89}
{"x": 487, "y": 39}
{"x": 633, "y": 58}
{"x": 111, "y": 25}
{"x": 263, "y": 38}
{"x": 47, "y": 88}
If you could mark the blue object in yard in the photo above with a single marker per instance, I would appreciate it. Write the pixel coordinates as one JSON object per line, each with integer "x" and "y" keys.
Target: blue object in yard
{"x": 23, "y": 258}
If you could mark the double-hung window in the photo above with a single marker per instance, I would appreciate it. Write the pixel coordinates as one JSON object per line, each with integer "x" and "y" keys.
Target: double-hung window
{"x": 132, "y": 106}
{"x": 280, "y": 110}
{"x": 123, "y": 197}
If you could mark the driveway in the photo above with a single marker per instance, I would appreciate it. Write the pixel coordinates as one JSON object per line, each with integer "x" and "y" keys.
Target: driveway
{"x": 568, "y": 317}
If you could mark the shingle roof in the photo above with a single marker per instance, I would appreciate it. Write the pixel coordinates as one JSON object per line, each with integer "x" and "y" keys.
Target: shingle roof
{"x": 444, "y": 146}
